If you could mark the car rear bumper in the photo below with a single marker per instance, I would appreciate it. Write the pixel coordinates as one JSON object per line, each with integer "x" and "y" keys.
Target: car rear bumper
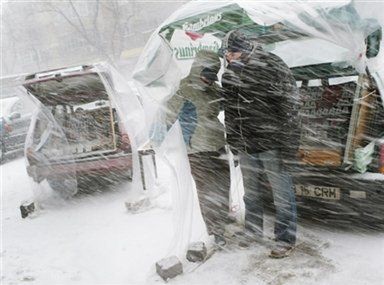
{"x": 356, "y": 195}
{"x": 96, "y": 165}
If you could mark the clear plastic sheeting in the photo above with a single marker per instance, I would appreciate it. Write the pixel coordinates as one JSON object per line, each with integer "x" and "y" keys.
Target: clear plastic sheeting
{"x": 188, "y": 224}
{"x": 43, "y": 147}
{"x": 301, "y": 33}
{"x": 156, "y": 84}
{"x": 133, "y": 121}
{"x": 337, "y": 23}
{"x": 331, "y": 74}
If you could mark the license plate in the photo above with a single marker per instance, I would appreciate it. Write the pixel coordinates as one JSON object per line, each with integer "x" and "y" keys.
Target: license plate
{"x": 323, "y": 192}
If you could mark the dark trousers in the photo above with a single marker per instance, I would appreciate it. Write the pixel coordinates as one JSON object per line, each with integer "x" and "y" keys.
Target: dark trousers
{"x": 212, "y": 178}
{"x": 270, "y": 163}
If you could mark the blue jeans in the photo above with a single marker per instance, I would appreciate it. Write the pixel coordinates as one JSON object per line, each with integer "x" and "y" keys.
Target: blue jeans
{"x": 270, "y": 163}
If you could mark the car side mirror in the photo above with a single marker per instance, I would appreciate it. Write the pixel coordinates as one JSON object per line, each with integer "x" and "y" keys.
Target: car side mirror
{"x": 15, "y": 116}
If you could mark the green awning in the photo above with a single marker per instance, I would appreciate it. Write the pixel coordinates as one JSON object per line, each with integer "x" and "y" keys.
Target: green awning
{"x": 219, "y": 22}
{"x": 222, "y": 20}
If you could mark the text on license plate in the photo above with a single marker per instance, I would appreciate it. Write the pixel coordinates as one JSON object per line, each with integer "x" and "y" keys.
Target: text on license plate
{"x": 324, "y": 192}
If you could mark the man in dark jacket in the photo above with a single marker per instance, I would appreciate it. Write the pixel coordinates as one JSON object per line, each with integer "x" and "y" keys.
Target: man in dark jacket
{"x": 260, "y": 106}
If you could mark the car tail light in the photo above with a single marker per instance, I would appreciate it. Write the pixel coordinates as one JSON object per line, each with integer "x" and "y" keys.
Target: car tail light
{"x": 7, "y": 128}
{"x": 125, "y": 143}
{"x": 381, "y": 158}
{"x": 31, "y": 156}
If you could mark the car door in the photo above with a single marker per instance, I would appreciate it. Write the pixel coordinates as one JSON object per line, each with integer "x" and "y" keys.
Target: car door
{"x": 19, "y": 120}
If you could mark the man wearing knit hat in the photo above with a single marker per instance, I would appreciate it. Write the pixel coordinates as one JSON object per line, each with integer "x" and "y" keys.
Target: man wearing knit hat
{"x": 260, "y": 117}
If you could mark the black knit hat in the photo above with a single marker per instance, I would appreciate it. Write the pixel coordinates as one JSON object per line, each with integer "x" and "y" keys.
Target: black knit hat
{"x": 238, "y": 42}
{"x": 209, "y": 74}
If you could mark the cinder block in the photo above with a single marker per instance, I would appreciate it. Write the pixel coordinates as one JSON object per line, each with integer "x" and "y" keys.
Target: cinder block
{"x": 137, "y": 206}
{"x": 197, "y": 251}
{"x": 27, "y": 209}
{"x": 169, "y": 267}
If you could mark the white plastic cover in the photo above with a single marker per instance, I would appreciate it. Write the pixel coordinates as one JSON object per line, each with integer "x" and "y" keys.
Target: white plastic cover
{"x": 331, "y": 32}
{"x": 131, "y": 115}
{"x": 188, "y": 223}
{"x": 313, "y": 19}
{"x": 45, "y": 142}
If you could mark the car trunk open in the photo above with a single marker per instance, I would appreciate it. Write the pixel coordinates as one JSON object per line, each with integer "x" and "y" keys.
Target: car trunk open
{"x": 341, "y": 111}
{"x": 80, "y": 106}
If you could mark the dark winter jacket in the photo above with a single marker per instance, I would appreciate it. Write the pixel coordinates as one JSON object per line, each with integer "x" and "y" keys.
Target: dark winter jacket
{"x": 261, "y": 102}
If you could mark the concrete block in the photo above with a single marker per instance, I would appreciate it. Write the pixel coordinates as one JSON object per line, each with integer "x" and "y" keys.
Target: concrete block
{"x": 169, "y": 267}
{"x": 27, "y": 209}
{"x": 197, "y": 252}
{"x": 137, "y": 206}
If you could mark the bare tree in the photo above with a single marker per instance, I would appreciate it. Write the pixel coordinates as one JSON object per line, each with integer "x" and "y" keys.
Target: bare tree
{"x": 52, "y": 34}
{"x": 108, "y": 40}
{"x": 16, "y": 36}
{"x": 8, "y": 45}
{"x": 121, "y": 24}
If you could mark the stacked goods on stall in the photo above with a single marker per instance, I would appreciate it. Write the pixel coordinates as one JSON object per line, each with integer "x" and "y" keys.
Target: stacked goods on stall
{"x": 341, "y": 113}
{"x": 326, "y": 112}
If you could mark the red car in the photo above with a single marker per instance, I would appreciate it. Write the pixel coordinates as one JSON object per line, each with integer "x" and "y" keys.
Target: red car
{"x": 77, "y": 136}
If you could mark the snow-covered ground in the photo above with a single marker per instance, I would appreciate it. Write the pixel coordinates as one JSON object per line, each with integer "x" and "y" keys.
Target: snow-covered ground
{"x": 94, "y": 240}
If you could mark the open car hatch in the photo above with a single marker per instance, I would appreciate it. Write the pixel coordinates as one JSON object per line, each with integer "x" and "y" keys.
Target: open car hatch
{"x": 80, "y": 107}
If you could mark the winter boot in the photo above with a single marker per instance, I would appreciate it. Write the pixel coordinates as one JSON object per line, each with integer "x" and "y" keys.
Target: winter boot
{"x": 281, "y": 251}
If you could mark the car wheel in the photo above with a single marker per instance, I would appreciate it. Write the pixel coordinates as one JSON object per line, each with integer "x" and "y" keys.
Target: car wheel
{"x": 66, "y": 188}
